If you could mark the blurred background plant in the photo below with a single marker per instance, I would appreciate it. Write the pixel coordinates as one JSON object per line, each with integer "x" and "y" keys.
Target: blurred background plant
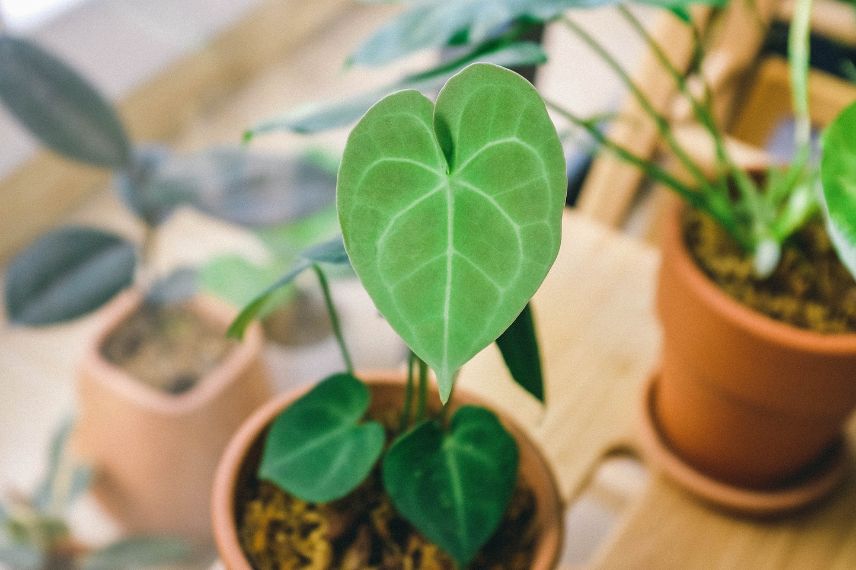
{"x": 36, "y": 533}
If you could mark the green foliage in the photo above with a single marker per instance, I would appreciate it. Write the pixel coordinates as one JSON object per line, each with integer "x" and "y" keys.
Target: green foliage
{"x": 67, "y": 273}
{"x": 61, "y": 108}
{"x": 454, "y": 484}
{"x": 319, "y": 448}
{"x": 442, "y": 205}
{"x": 519, "y": 348}
{"x": 437, "y": 23}
{"x": 838, "y": 172}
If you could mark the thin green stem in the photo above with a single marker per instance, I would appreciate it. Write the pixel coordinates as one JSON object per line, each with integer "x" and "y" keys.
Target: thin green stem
{"x": 334, "y": 317}
{"x": 422, "y": 399}
{"x": 798, "y": 59}
{"x": 408, "y": 394}
{"x": 659, "y": 120}
{"x": 725, "y": 163}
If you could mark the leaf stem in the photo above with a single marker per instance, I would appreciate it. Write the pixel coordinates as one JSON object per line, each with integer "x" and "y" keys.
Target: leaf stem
{"x": 408, "y": 394}
{"x": 422, "y": 400}
{"x": 334, "y": 317}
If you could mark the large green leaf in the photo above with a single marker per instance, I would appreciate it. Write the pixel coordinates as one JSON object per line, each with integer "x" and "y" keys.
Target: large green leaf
{"x": 318, "y": 117}
{"x": 66, "y": 274}
{"x": 519, "y": 348}
{"x": 59, "y": 107}
{"x": 838, "y": 173}
{"x": 138, "y": 552}
{"x": 319, "y": 448}
{"x": 452, "y": 215}
{"x": 436, "y": 23}
{"x": 454, "y": 486}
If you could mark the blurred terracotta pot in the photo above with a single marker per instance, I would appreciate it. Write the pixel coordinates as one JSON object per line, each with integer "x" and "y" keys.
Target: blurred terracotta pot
{"x": 241, "y": 459}
{"x": 155, "y": 453}
{"x": 741, "y": 398}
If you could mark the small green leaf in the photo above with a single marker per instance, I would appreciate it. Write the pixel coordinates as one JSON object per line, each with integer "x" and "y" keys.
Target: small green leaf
{"x": 332, "y": 251}
{"x": 236, "y": 280}
{"x": 59, "y": 107}
{"x": 66, "y": 274}
{"x": 519, "y": 348}
{"x": 454, "y": 487}
{"x": 452, "y": 214}
{"x": 838, "y": 173}
{"x": 138, "y": 552}
{"x": 45, "y": 499}
{"x": 320, "y": 117}
{"x": 319, "y": 448}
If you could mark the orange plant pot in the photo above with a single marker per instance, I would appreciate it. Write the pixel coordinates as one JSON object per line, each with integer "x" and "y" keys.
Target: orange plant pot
{"x": 243, "y": 454}
{"x": 154, "y": 453}
{"x": 745, "y": 400}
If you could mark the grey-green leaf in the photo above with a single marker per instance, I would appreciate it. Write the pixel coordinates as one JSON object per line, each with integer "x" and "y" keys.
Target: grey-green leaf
{"x": 59, "y": 107}
{"x": 66, "y": 274}
{"x": 455, "y": 486}
{"x": 318, "y": 117}
{"x": 58, "y": 460}
{"x": 838, "y": 173}
{"x": 179, "y": 285}
{"x": 138, "y": 552}
{"x": 519, "y": 348}
{"x": 319, "y": 448}
{"x": 452, "y": 215}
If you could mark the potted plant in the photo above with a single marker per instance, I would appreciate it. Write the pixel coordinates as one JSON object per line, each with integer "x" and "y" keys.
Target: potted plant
{"x": 161, "y": 364}
{"x": 451, "y": 217}
{"x": 742, "y": 340}
{"x": 36, "y": 532}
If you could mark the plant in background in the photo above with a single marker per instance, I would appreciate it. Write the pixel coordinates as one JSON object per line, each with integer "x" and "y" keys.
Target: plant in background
{"x": 451, "y": 217}
{"x": 760, "y": 217}
{"x": 71, "y": 271}
{"x": 35, "y": 533}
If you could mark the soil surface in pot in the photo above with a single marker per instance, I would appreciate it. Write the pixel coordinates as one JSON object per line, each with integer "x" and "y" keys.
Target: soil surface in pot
{"x": 167, "y": 347}
{"x": 809, "y": 289}
{"x": 364, "y": 532}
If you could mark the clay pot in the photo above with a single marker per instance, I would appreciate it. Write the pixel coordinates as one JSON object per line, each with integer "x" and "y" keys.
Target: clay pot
{"x": 742, "y": 399}
{"x": 155, "y": 453}
{"x": 242, "y": 457}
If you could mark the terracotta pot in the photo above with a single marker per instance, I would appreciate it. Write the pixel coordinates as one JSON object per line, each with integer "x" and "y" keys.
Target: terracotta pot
{"x": 242, "y": 457}
{"x": 155, "y": 453}
{"x": 742, "y": 398}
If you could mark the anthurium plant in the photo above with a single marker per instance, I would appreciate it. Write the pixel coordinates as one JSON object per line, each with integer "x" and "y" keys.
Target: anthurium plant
{"x": 35, "y": 532}
{"x": 451, "y": 217}
{"x": 73, "y": 270}
{"x": 759, "y": 216}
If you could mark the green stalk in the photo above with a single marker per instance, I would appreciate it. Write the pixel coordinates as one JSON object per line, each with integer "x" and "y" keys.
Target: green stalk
{"x": 408, "y": 394}
{"x": 696, "y": 199}
{"x": 334, "y": 317}
{"x": 422, "y": 400}
{"x": 659, "y": 120}
{"x": 725, "y": 163}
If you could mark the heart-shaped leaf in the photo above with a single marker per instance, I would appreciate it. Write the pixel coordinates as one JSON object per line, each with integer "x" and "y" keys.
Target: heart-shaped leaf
{"x": 452, "y": 215}
{"x": 319, "y": 448}
{"x": 59, "y": 107}
{"x": 67, "y": 273}
{"x": 838, "y": 172}
{"x": 454, "y": 487}
{"x": 519, "y": 348}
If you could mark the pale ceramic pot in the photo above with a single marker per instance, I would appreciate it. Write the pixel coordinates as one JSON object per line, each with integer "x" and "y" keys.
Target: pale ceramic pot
{"x": 749, "y": 411}
{"x": 155, "y": 453}
{"x": 387, "y": 389}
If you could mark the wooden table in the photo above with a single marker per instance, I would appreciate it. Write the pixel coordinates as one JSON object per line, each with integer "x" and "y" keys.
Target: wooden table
{"x": 600, "y": 341}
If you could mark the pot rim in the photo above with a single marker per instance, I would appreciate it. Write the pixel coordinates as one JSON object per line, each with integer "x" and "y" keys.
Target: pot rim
{"x": 736, "y": 313}
{"x": 206, "y": 389}
{"x": 229, "y": 469}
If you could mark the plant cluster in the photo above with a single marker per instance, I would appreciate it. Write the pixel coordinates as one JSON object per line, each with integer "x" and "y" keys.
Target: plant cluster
{"x": 73, "y": 270}
{"x": 35, "y": 533}
{"x": 451, "y": 217}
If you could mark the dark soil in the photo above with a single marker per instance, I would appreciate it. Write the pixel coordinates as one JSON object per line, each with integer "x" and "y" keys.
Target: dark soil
{"x": 809, "y": 289}
{"x": 167, "y": 347}
{"x": 364, "y": 532}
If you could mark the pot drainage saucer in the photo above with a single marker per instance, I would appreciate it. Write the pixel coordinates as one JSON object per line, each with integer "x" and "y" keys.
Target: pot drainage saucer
{"x": 762, "y": 503}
